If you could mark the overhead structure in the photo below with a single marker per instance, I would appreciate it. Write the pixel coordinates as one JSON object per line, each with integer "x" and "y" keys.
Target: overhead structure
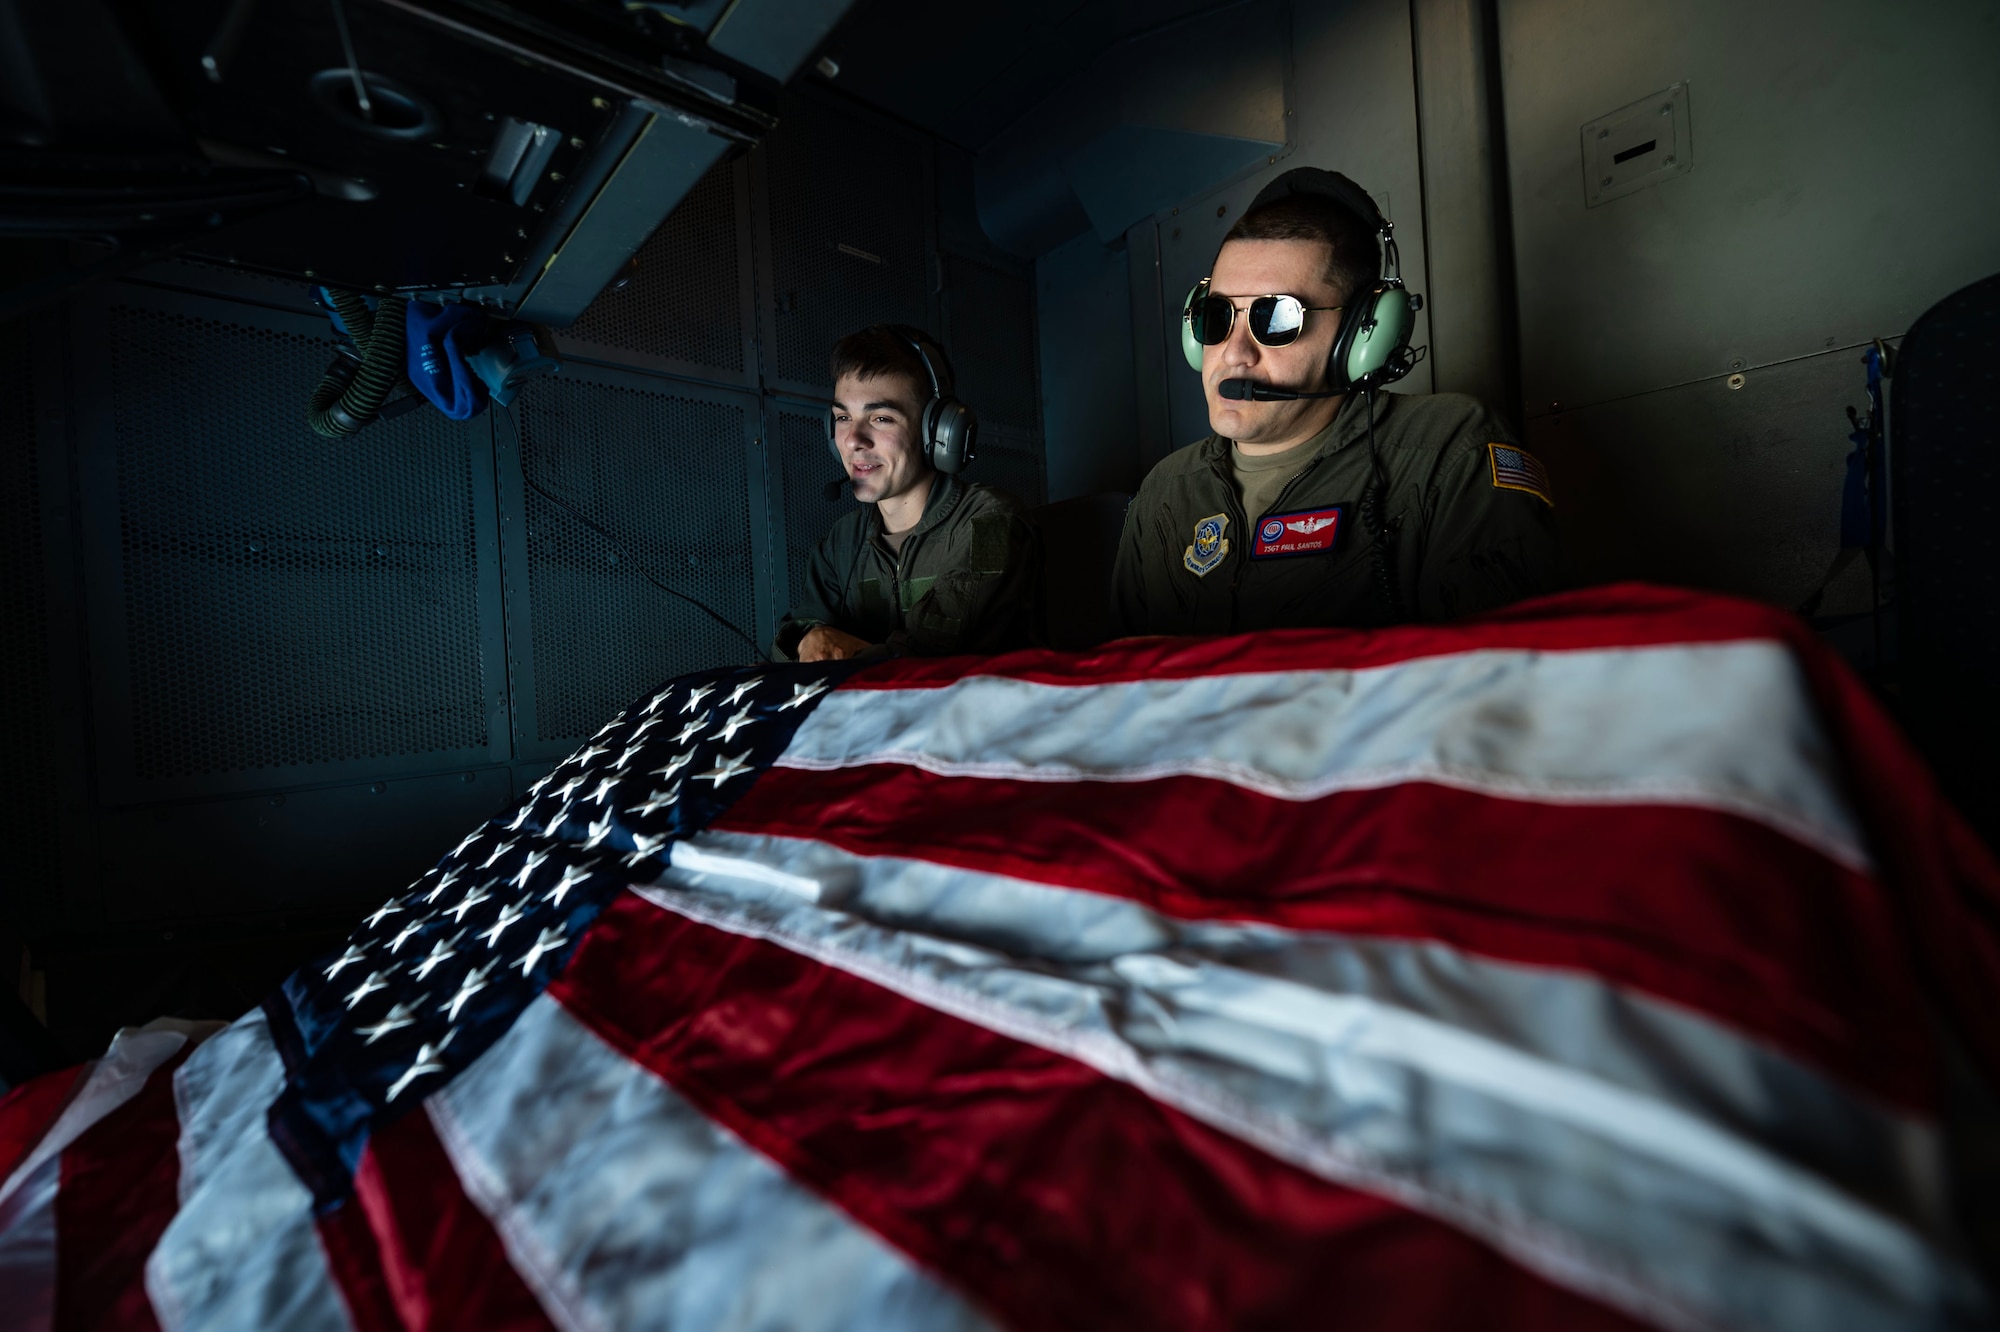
{"x": 515, "y": 153}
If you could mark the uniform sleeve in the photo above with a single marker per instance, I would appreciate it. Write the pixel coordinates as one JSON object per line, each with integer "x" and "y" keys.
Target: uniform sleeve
{"x": 1128, "y": 578}
{"x": 820, "y": 602}
{"x": 1492, "y": 533}
{"x": 989, "y": 601}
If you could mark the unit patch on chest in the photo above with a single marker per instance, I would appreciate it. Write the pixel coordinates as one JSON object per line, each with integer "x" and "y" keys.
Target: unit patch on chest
{"x": 1209, "y": 546}
{"x": 1307, "y": 532}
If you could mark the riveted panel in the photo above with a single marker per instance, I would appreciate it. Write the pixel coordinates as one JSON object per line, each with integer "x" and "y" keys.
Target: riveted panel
{"x": 687, "y": 304}
{"x": 637, "y": 498}
{"x": 268, "y": 606}
{"x": 848, "y": 202}
{"x": 1011, "y": 461}
{"x": 807, "y": 469}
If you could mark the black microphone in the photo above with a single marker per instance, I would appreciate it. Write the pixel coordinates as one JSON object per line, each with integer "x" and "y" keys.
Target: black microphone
{"x": 1249, "y": 390}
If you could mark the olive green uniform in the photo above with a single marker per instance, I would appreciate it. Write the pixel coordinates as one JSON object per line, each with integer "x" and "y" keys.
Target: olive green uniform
{"x": 1470, "y": 521}
{"x": 964, "y": 579}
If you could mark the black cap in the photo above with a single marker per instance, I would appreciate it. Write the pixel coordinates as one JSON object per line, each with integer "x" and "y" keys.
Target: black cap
{"x": 1322, "y": 184}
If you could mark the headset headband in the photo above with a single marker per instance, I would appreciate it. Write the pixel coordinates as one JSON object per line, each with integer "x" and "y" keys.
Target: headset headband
{"x": 940, "y": 384}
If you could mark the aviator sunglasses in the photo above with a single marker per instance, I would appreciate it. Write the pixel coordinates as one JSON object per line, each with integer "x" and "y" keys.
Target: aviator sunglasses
{"x": 1275, "y": 321}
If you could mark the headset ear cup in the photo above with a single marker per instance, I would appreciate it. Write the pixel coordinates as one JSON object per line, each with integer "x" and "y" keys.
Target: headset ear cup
{"x": 1190, "y": 344}
{"x": 952, "y": 435}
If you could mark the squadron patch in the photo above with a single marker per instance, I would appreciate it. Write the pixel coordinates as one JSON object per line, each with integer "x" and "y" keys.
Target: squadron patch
{"x": 1307, "y": 532}
{"x": 1515, "y": 468}
{"x": 1210, "y": 545}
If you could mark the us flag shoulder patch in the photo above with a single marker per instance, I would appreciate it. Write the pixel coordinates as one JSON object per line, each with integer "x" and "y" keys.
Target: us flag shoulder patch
{"x": 1514, "y": 468}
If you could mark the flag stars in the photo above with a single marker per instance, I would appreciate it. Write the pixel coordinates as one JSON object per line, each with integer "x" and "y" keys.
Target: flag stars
{"x": 535, "y": 860}
{"x": 521, "y": 816}
{"x": 388, "y": 908}
{"x": 402, "y": 1015}
{"x": 599, "y": 831}
{"x": 437, "y": 889}
{"x": 548, "y": 941}
{"x": 692, "y": 729}
{"x": 474, "y": 982}
{"x": 583, "y": 756}
{"x": 736, "y": 694}
{"x": 509, "y": 914}
{"x": 659, "y": 800}
{"x": 346, "y": 959}
{"x": 644, "y": 727}
{"x": 442, "y": 951}
{"x": 645, "y": 848}
{"x": 727, "y": 731}
{"x": 603, "y": 790}
{"x": 725, "y": 769}
{"x": 403, "y": 935}
{"x": 625, "y": 759}
{"x": 377, "y": 980}
{"x": 694, "y": 698}
{"x": 427, "y": 1063}
{"x": 673, "y": 765}
{"x": 572, "y": 875}
{"x": 803, "y": 694}
{"x": 498, "y": 852}
{"x": 568, "y": 788}
{"x": 469, "y": 901}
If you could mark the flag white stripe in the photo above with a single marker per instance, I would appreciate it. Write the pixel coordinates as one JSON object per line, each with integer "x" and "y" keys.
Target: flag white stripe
{"x": 1628, "y": 1040}
{"x": 624, "y": 1206}
{"x": 1626, "y": 1198}
{"x": 28, "y": 1196}
{"x": 242, "y": 1253}
{"x": 1575, "y": 727}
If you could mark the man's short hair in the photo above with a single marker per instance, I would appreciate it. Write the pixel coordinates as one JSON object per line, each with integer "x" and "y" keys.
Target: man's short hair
{"x": 1355, "y": 255}
{"x": 880, "y": 350}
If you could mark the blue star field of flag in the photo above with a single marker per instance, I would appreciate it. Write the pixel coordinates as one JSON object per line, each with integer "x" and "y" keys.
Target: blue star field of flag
{"x": 436, "y": 975}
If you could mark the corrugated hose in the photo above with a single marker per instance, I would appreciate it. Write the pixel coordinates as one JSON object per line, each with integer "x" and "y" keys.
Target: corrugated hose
{"x": 353, "y": 391}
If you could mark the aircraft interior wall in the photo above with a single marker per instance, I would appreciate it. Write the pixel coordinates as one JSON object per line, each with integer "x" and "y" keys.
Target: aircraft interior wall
{"x": 1682, "y": 350}
{"x": 254, "y": 680}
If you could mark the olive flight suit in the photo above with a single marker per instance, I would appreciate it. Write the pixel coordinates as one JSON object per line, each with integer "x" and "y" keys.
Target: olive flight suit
{"x": 966, "y": 579}
{"x": 1469, "y": 514}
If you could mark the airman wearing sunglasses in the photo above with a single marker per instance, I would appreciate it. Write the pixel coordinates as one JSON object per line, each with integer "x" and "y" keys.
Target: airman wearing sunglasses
{"x": 1334, "y": 504}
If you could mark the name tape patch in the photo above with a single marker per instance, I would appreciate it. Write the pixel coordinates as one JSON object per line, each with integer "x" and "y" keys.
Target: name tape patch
{"x": 1307, "y": 532}
{"x": 1517, "y": 469}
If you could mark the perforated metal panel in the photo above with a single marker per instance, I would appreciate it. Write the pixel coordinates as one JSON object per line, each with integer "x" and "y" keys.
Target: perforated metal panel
{"x": 686, "y": 303}
{"x": 1015, "y": 467}
{"x": 666, "y": 472}
{"x": 27, "y": 778}
{"x": 808, "y": 467}
{"x": 283, "y": 600}
{"x": 990, "y": 333}
{"x": 849, "y": 203}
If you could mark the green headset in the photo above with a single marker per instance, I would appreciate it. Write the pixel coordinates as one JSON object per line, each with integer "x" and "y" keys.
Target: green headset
{"x": 948, "y": 428}
{"x": 1372, "y": 346}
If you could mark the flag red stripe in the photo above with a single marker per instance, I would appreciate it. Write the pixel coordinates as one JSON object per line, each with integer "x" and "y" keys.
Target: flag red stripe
{"x": 1054, "y": 1195}
{"x": 28, "y": 1111}
{"x": 1703, "y": 909}
{"x": 120, "y": 1186}
{"x": 1622, "y": 616}
{"x": 1947, "y": 881}
{"x": 410, "y": 1251}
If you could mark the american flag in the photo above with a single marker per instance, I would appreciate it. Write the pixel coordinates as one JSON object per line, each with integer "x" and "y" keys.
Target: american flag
{"x": 1597, "y": 963}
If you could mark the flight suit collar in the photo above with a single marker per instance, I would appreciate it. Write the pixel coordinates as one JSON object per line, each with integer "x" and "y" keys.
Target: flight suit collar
{"x": 946, "y": 491}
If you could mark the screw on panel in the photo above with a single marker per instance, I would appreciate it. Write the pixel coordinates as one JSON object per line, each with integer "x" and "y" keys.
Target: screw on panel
{"x": 1605, "y": 183}
{"x": 1736, "y": 381}
{"x": 1736, "y": 364}
{"x": 1666, "y": 161}
{"x": 1604, "y": 134}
